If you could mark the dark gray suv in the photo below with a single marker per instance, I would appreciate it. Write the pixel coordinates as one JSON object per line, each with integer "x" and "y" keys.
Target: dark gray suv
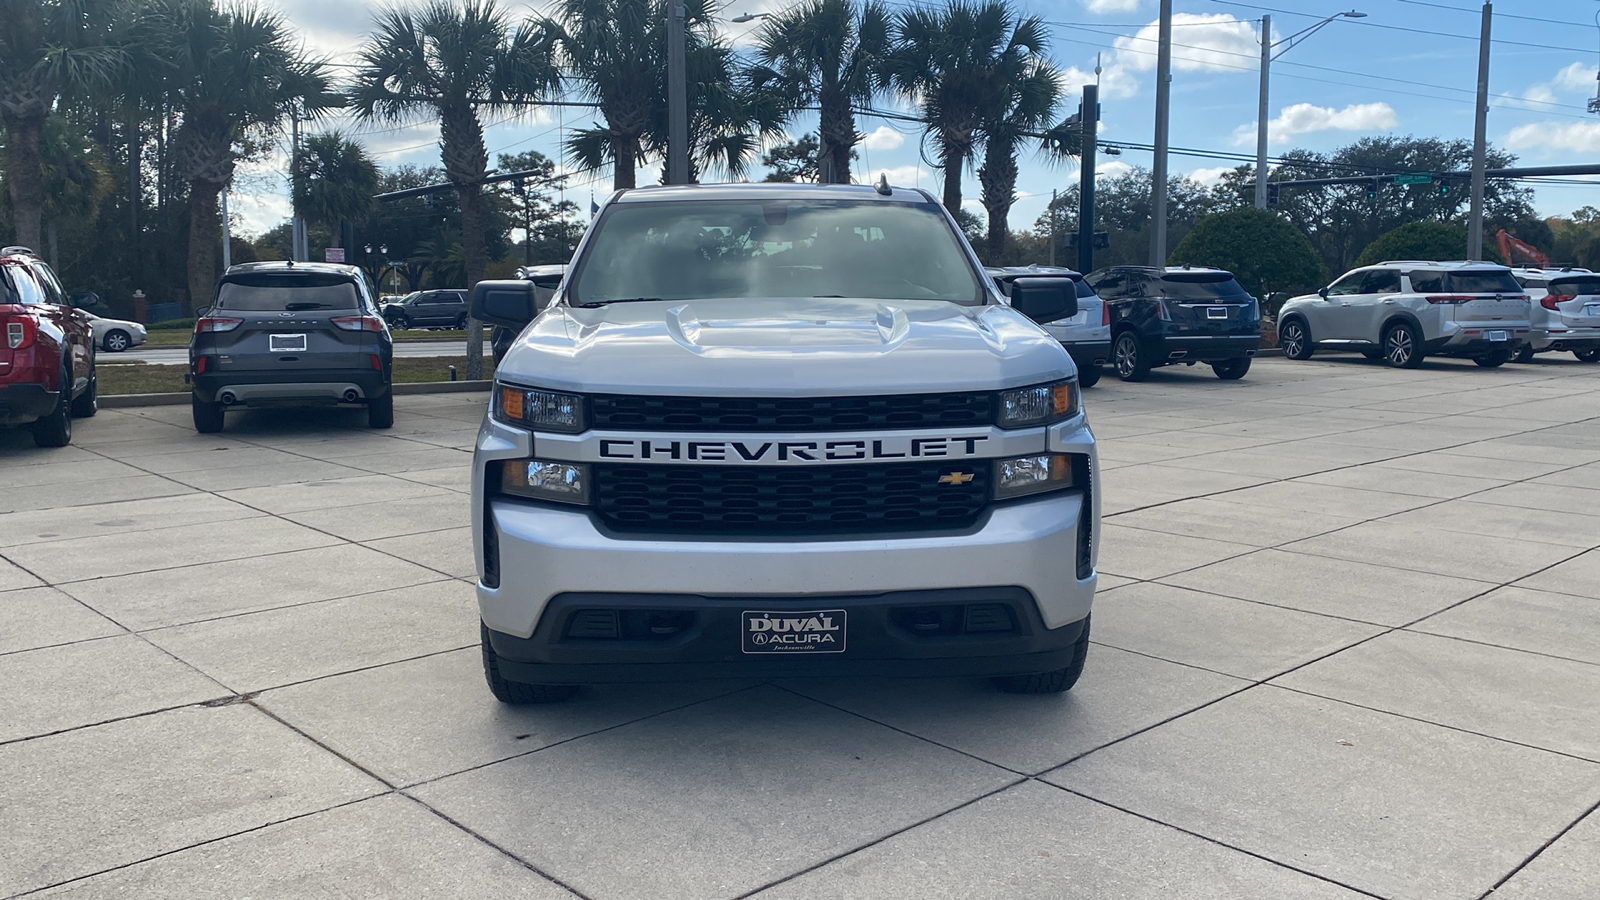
{"x": 291, "y": 333}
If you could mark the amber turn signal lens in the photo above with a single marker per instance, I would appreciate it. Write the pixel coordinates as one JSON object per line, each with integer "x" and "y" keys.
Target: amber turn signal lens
{"x": 511, "y": 401}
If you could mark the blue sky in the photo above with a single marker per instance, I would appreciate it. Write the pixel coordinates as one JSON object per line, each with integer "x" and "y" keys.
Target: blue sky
{"x": 1409, "y": 67}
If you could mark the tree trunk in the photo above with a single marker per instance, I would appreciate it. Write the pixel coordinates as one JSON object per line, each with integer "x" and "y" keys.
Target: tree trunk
{"x": 205, "y": 233}
{"x": 999, "y": 179}
{"x": 135, "y": 148}
{"x": 624, "y": 159}
{"x": 25, "y": 174}
{"x": 837, "y": 131}
{"x": 952, "y": 182}
{"x": 466, "y": 159}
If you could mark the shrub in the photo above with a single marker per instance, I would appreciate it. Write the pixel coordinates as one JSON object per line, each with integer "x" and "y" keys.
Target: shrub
{"x": 1263, "y": 251}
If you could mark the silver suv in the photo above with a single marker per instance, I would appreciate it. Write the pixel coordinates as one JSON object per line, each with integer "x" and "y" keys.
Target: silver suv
{"x": 1404, "y": 310}
{"x": 1565, "y": 305}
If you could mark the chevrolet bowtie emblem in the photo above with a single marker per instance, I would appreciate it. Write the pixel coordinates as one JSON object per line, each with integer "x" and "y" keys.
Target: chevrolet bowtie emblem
{"x": 956, "y": 478}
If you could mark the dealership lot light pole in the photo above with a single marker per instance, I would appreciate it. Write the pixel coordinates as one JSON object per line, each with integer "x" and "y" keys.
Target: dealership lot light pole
{"x": 1270, "y": 50}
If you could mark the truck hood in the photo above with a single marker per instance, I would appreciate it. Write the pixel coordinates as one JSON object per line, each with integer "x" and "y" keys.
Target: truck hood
{"x": 783, "y": 347}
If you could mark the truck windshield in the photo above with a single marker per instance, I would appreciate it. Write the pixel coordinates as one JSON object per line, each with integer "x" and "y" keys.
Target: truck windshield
{"x": 683, "y": 250}
{"x": 287, "y": 294}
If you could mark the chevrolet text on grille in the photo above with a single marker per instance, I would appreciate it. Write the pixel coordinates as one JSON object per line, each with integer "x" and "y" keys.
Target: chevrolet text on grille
{"x": 795, "y": 451}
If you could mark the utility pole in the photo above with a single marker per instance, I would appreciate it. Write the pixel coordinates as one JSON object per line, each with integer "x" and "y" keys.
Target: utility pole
{"x": 1262, "y": 114}
{"x": 227, "y": 237}
{"x": 1158, "y": 168}
{"x": 527, "y": 225}
{"x": 300, "y": 251}
{"x": 1054, "y": 231}
{"x": 1089, "y": 117}
{"x": 677, "y": 96}
{"x": 1479, "y": 149}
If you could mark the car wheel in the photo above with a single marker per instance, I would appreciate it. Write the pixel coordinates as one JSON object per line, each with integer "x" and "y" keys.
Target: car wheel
{"x": 1231, "y": 369}
{"x": 380, "y": 411}
{"x": 88, "y": 402}
{"x": 1587, "y": 356}
{"x": 401, "y": 321}
{"x": 1402, "y": 346}
{"x": 1088, "y": 375}
{"x": 117, "y": 341}
{"x": 207, "y": 416}
{"x": 1129, "y": 358}
{"x": 1494, "y": 359}
{"x": 518, "y": 693}
{"x": 1525, "y": 355}
{"x": 55, "y": 429}
{"x": 1295, "y": 340}
{"x": 1051, "y": 682}
{"x": 461, "y": 323}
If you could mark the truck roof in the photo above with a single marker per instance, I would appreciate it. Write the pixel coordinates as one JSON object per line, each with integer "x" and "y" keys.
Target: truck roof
{"x": 759, "y": 191}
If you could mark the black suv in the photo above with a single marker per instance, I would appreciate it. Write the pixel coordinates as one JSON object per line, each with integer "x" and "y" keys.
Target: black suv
{"x": 295, "y": 333}
{"x": 1178, "y": 315}
{"x": 428, "y": 309}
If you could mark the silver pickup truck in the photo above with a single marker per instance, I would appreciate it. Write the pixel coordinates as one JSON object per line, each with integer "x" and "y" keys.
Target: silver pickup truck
{"x": 778, "y": 431}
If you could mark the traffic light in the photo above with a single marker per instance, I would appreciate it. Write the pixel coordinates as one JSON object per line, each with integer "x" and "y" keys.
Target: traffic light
{"x": 1272, "y": 195}
{"x": 1372, "y": 190}
{"x": 1444, "y": 188}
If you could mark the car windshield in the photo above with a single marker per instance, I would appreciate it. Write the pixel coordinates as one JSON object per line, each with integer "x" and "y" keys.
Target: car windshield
{"x": 682, "y": 250}
{"x": 409, "y": 299}
{"x": 287, "y": 293}
{"x": 1573, "y": 287}
{"x": 1482, "y": 282}
{"x": 1201, "y": 286}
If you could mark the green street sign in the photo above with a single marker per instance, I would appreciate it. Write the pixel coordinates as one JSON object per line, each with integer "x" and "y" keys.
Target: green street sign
{"x": 1413, "y": 179}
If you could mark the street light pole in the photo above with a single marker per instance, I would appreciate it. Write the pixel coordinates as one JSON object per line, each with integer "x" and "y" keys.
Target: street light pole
{"x": 1269, "y": 52}
{"x": 677, "y": 96}
{"x": 1158, "y": 168}
{"x": 1479, "y": 141}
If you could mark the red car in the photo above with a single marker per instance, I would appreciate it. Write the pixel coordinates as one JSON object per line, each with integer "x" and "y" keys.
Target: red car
{"x": 46, "y": 351}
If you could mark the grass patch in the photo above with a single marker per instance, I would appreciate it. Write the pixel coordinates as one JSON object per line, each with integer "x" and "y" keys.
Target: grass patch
{"x": 172, "y": 338}
{"x": 156, "y": 379}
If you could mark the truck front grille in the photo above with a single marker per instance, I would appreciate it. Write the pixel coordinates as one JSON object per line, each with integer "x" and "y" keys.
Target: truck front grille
{"x": 780, "y": 414}
{"x": 810, "y": 500}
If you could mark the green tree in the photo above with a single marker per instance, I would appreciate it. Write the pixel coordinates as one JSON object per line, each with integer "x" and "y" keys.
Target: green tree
{"x": 1122, "y": 210}
{"x": 1417, "y": 240}
{"x": 828, "y": 53}
{"x": 793, "y": 161}
{"x": 957, "y": 63}
{"x": 50, "y": 51}
{"x": 335, "y": 182}
{"x": 454, "y": 64}
{"x": 1029, "y": 101}
{"x": 1265, "y": 253}
{"x": 551, "y": 227}
{"x": 235, "y": 75}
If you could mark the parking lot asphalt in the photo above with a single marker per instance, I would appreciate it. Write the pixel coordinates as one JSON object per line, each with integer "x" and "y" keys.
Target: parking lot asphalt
{"x": 1347, "y": 644}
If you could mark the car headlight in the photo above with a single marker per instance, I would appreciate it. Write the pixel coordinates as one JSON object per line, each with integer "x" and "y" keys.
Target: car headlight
{"x": 535, "y": 479}
{"x": 1024, "y": 475}
{"x": 1044, "y": 404}
{"x": 540, "y": 410}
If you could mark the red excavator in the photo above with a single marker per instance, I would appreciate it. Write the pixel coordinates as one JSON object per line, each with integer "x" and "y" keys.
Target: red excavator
{"x": 1509, "y": 244}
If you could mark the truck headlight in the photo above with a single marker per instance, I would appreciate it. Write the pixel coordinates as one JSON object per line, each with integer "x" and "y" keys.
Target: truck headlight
{"x": 1024, "y": 475}
{"x": 1041, "y": 405}
{"x": 539, "y": 410}
{"x": 535, "y": 479}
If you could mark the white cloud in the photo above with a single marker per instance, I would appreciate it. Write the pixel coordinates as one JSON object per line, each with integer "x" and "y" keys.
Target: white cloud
{"x": 1111, "y": 169}
{"x": 1099, "y": 7}
{"x": 1210, "y": 176}
{"x": 1581, "y": 137}
{"x": 1208, "y": 42}
{"x": 903, "y": 176}
{"x": 1116, "y": 83}
{"x": 1304, "y": 118}
{"x": 883, "y": 138}
{"x": 1576, "y": 77}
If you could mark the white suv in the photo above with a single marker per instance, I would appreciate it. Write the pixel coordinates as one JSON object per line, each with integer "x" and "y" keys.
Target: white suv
{"x": 1565, "y": 304}
{"x": 1405, "y": 310}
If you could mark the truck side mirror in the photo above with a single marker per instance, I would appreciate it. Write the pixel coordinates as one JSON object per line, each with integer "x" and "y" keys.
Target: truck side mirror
{"x": 1045, "y": 299}
{"x": 508, "y": 303}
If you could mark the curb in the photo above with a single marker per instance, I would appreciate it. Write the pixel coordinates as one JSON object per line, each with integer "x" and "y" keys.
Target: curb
{"x": 130, "y": 401}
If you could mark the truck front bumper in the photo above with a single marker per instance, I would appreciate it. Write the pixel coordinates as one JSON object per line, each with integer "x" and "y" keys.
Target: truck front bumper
{"x": 554, "y": 562}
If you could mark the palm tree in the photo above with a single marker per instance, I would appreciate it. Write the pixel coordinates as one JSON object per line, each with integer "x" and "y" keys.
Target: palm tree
{"x": 1028, "y": 104}
{"x": 336, "y": 181}
{"x": 957, "y": 64}
{"x": 828, "y": 52}
{"x": 454, "y": 63}
{"x": 50, "y": 50}
{"x": 235, "y": 75}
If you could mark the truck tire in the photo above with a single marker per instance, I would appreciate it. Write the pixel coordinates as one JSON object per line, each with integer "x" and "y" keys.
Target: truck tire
{"x": 517, "y": 693}
{"x": 88, "y": 402}
{"x": 55, "y": 429}
{"x": 1051, "y": 682}
{"x": 380, "y": 411}
{"x": 207, "y": 416}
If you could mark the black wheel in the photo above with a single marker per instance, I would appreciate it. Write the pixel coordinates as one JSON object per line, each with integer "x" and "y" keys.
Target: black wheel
{"x": 1231, "y": 369}
{"x": 55, "y": 429}
{"x": 88, "y": 403}
{"x": 1088, "y": 375}
{"x": 380, "y": 411}
{"x": 517, "y": 693}
{"x": 117, "y": 341}
{"x": 1494, "y": 359}
{"x": 461, "y": 322}
{"x": 1128, "y": 356}
{"x": 401, "y": 321}
{"x": 1050, "y": 682}
{"x": 207, "y": 416}
{"x": 1587, "y": 356}
{"x": 1295, "y": 340}
{"x": 1402, "y": 346}
{"x": 1525, "y": 355}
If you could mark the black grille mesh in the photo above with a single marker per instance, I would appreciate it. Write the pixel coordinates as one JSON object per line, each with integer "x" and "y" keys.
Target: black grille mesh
{"x": 779, "y": 414}
{"x": 754, "y": 500}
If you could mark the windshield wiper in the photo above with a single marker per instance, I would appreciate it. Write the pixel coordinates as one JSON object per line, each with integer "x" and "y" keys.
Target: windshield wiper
{"x": 619, "y": 300}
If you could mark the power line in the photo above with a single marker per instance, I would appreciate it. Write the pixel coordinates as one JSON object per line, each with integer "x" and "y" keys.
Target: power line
{"x": 1497, "y": 15}
{"x": 1366, "y": 24}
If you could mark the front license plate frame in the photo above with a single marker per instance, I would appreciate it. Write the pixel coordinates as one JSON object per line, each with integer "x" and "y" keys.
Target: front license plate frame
{"x": 802, "y": 632}
{"x": 1497, "y": 336}
{"x": 286, "y": 343}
